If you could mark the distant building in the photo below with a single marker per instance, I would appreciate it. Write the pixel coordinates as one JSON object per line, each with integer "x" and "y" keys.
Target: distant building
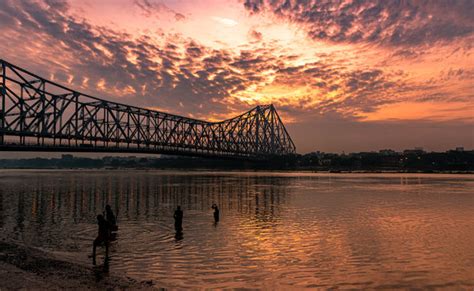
{"x": 317, "y": 154}
{"x": 387, "y": 152}
{"x": 459, "y": 149}
{"x": 416, "y": 151}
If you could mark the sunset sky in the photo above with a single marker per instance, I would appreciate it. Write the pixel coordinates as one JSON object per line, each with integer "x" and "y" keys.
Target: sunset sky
{"x": 343, "y": 75}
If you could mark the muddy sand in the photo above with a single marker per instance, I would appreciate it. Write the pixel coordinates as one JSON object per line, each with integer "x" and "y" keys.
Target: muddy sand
{"x": 27, "y": 268}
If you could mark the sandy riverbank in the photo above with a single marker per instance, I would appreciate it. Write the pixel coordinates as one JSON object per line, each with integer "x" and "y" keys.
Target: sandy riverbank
{"x": 32, "y": 269}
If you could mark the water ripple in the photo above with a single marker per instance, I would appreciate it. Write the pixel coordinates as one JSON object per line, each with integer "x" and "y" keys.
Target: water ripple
{"x": 277, "y": 231}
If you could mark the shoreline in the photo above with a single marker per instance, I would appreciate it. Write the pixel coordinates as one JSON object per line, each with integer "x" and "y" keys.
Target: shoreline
{"x": 306, "y": 171}
{"x": 27, "y": 268}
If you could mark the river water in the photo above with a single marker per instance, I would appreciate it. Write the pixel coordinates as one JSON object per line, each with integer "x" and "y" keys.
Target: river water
{"x": 277, "y": 230}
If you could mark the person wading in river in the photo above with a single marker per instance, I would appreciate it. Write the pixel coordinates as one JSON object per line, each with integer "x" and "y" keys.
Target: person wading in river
{"x": 178, "y": 219}
{"x": 216, "y": 213}
{"x": 111, "y": 219}
{"x": 102, "y": 237}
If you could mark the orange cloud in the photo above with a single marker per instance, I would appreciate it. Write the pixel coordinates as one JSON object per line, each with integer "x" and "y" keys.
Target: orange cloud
{"x": 358, "y": 62}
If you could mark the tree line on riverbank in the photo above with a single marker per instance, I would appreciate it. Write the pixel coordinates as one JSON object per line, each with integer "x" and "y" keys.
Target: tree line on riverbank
{"x": 386, "y": 160}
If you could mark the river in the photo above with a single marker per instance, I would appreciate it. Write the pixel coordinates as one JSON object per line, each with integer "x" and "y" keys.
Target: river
{"x": 276, "y": 230}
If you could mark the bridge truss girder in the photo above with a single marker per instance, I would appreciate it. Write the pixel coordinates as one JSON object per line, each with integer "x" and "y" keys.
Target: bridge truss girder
{"x": 37, "y": 114}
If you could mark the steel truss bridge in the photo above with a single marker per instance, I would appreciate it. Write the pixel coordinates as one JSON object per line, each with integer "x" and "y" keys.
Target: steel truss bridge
{"x": 40, "y": 115}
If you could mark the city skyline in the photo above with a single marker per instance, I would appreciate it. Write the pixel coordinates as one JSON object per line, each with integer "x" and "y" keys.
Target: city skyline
{"x": 354, "y": 76}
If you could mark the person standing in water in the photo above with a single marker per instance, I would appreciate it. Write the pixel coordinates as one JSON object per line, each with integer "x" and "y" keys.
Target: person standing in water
{"x": 178, "y": 219}
{"x": 216, "y": 213}
{"x": 111, "y": 219}
{"x": 102, "y": 237}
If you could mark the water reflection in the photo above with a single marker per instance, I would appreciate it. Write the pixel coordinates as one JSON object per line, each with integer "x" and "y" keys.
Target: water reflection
{"x": 78, "y": 196}
{"x": 48, "y": 205}
{"x": 274, "y": 230}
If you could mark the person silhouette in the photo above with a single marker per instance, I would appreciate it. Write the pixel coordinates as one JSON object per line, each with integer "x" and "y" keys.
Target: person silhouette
{"x": 178, "y": 236}
{"x": 216, "y": 213}
{"x": 111, "y": 219}
{"x": 178, "y": 219}
{"x": 102, "y": 237}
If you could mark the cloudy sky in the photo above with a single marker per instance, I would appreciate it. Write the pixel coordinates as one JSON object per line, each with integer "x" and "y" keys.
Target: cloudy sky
{"x": 344, "y": 75}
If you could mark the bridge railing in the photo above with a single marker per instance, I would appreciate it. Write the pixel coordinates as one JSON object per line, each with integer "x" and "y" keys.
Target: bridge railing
{"x": 36, "y": 111}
